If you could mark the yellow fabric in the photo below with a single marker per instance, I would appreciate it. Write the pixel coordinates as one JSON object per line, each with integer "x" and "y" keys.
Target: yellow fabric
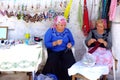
{"x": 67, "y": 10}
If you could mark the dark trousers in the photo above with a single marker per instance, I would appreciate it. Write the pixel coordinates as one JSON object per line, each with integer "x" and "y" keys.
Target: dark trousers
{"x": 58, "y": 64}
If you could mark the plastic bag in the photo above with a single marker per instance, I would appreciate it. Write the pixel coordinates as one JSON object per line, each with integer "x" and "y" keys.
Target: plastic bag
{"x": 46, "y": 77}
{"x": 88, "y": 60}
{"x": 52, "y": 76}
{"x": 43, "y": 77}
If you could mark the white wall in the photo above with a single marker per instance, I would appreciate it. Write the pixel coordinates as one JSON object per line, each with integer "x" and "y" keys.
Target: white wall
{"x": 39, "y": 28}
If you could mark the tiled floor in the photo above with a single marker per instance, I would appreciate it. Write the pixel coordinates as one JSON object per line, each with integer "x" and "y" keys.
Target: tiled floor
{"x": 24, "y": 76}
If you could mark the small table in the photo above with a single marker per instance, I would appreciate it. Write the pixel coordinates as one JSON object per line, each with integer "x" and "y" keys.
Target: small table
{"x": 21, "y": 57}
{"x": 79, "y": 70}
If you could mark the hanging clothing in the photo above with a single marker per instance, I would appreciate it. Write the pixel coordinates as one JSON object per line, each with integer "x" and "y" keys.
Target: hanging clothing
{"x": 85, "y": 27}
{"x": 107, "y": 17}
{"x": 103, "y": 57}
{"x": 93, "y": 13}
{"x": 104, "y": 10}
{"x": 80, "y": 20}
{"x": 112, "y": 10}
{"x": 100, "y": 9}
{"x": 67, "y": 10}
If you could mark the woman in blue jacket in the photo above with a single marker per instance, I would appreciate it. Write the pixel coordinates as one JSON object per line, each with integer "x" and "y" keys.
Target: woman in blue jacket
{"x": 58, "y": 41}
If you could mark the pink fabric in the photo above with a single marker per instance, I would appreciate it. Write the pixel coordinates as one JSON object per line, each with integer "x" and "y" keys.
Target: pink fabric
{"x": 103, "y": 57}
{"x": 59, "y": 19}
{"x": 112, "y": 10}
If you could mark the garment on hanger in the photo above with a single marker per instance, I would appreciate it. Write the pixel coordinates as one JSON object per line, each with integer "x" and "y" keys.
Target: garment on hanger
{"x": 112, "y": 10}
{"x": 85, "y": 27}
{"x": 80, "y": 19}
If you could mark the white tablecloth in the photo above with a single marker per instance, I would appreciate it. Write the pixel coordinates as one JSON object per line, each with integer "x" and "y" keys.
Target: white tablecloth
{"x": 92, "y": 73}
{"x": 21, "y": 57}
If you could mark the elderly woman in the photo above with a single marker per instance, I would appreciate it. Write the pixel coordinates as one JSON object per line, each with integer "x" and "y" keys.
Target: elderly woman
{"x": 99, "y": 42}
{"x": 58, "y": 41}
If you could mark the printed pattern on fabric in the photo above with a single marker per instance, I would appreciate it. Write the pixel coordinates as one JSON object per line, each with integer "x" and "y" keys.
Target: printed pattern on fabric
{"x": 103, "y": 57}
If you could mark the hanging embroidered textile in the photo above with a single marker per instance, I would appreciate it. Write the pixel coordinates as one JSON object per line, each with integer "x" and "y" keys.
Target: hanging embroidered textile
{"x": 104, "y": 10}
{"x": 85, "y": 27}
{"x": 67, "y": 10}
{"x": 80, "y": 20}
{"x": 112, "y": 10}
{"x": 32, "y": 12}
{"x": 93, "y": 14}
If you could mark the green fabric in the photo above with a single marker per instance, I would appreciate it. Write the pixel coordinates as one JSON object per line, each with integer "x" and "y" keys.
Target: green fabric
{"x": 80, "y": 16}
{"x": 100, "y": 9}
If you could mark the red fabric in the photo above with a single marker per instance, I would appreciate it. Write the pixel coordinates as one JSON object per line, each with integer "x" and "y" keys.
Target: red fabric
{"x": 85, "y": 26}
{"x": 97, "y": 44}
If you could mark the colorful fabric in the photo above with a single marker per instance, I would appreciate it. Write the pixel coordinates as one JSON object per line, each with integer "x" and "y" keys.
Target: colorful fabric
{"x": 85, "y": 27}
{"x": 67, "y": 10}
{"x": 112, "y": 10}
{"x": 59, "y": 19}
{"x": 103, "y": 57}
{"x": 104, "y": 10}
{"x": 80, "y": 14}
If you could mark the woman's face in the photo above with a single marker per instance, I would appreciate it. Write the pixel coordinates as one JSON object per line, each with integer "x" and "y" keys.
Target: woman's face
{"x": 60, "y": 27}
{"x": 100, "y": 26}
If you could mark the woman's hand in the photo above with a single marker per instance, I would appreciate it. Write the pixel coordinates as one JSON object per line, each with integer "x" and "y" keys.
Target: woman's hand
{"x": 69, "y": 45}
{"x": 102, "y": 41}
{"x": 91, "y": 41}
{"x": 58, "y": 42}
{"x": 54, "y": 43}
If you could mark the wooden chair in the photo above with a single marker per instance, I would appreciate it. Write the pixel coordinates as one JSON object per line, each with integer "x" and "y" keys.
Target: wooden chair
{"x": 78, "y": 76}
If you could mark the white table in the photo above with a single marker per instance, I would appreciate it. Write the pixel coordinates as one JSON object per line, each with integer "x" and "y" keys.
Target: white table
{"x": 21, "y": 57}
{"x": 92, "y": 73}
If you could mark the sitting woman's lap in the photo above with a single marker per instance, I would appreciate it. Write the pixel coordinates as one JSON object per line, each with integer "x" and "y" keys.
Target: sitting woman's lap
{"x": 103, "y": 57}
